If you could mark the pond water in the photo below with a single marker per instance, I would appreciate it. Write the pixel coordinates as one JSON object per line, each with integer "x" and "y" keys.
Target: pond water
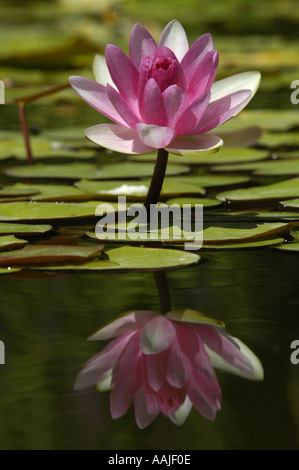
{"x": 45, "y": 323}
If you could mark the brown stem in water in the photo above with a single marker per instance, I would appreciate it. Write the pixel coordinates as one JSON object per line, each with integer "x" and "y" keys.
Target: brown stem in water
{"x": 22, "y": 116}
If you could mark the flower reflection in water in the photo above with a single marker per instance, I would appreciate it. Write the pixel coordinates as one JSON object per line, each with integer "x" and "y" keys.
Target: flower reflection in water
{"x": 165, "y": 363}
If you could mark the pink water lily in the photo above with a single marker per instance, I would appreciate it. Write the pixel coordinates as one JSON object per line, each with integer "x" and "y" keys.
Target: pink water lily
{"x": 164, "y": 363}
{"x": 163, "y": 96}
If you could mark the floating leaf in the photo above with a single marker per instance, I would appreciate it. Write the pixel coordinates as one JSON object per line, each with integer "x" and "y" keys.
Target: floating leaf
{"x": 52, "y": 211}
{"x": 286, "y": 189}
{"x": 279, "y": 139}
{"x": 290, "y": 204}
{"x": 293, "y": 247}
{"x": 208, "y": 180}
{"x": 15, "y": 191}
{"x": 270, "y": 168}
{"x": 24, "y": 229}
{"x": 268, "y": 119}
{"x": 10, "y": 242}
{"x": 206, "y": 203}
{"x": 71, "y": 171}
{"x": 242, "y": 231}
{"x": 52, "y": 192}
{"x": 244, "y": 246}
{"x": 225, "y": 155}
{"x": 43, "y": 254}
{"x": 136, "y": 190}
{"x": 136, "y": 259}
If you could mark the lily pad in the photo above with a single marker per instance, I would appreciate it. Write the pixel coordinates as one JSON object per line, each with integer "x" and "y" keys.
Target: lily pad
{"x": 293, "y": 247}
{"x": 77, "y": 171}
{"x": 10, "y": 242}
{"x": 52, "y": 192}
{"x": 14, "y": 191}
{"x": 135, "y": 259}
{"x": 286, "y": 189}
{"x": 267, "y": 119}
{"x": 46, "y": 211}
{"x": 242, "y": 232}
{"x": 208, "y": 180}
{"x": 292, "y": 204}
{"x": 136, "y": 190}
{"x": 245, "y": 245}
{"x": 279, "y": 139}
{"x": 43, "y": 254}
{"x": 206, "y": 203}
{"x": 23, "y": 229}
{"x": 68, "y": 171}
{"x": 225, "y": 155}
{"x": 270, "y": 168}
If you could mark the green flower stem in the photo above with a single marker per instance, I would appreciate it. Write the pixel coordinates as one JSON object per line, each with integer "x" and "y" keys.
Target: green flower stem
{"x": 163, "y": 291}
{"x": 157, "y": 179}
{"x": 22, "y": 116}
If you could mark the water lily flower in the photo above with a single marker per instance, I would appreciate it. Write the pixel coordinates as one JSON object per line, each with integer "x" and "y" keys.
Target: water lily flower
{"x": 165, "y": 363}
{"x": 163, "y": 95}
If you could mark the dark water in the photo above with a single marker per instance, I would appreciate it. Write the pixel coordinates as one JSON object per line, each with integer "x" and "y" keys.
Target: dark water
{"x": 45, "y": 323}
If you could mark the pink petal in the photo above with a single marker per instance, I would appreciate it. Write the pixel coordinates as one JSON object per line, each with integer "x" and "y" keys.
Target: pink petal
{"x": 117, "y": 138}
{"x": 195, "y": 54}
{"x": 99, "y": 364}
{"x": 175, "y": 102}
{"x": 179, "y": 368}
{"x": 209, "y": 389}
{"x": 126, "y": 378}
{"x": 200, "y": 402}
{"x": 195, "y": 144}
{"x": 174, "y": 37}
{"x": 152, "y": 107}
{"x": 128, "y": 322}
{"x": 203, "y": 75}
{"x": 123, "y": 73}
{"x": 96, "y": 96}
{"x": 192, "y": 115}
{"x": 170, "y": 399}
{"x": 142, "y": 45}
{"x": 156, "y": 368}
{"x": 144, "y": 415}
{"x": 155, "y": 136}
{"x": 122, "y": 108}
{"x": 221, "y": 110}
{"x": 157, "y": 335}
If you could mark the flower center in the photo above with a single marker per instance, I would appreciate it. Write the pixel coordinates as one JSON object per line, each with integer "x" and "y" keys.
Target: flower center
{"x": 166, "y": 71}
{"x": 163, "y": 63}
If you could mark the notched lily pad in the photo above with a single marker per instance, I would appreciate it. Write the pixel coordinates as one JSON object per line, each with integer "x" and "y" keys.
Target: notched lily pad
{"x": 10, "y": 242}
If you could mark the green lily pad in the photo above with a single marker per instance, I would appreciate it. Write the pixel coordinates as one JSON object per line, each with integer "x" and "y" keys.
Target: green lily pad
{"x": 44, "y": 254}
{"x": 46, "y": 211}
{"x": 245, "y": 245}
{"x": 225, "y": 155}
{"x": 135, "y": 259}
{"x": 242, "y": 232}
{"x": 286, "y": 189}
{"x": 267, "y": 119}
{"x": 290, "y": 204}
{"x": 51, "y": 192}
{"x": 136, "y": 190}
{"x": 206, "y": 203}
{"x": 23, "y": 229}
{"x": 10, "y": 242}
{"x": 77, "y": 171}
{"x": 208, "y": 180}
{"x": 269, "y": 168}
{"x": 68, "y": 171}
{"x": 279, "y": 139}
{"x": 192, "y": 316}
{"x": 293, "y": 247}
{"x": 15, "y": 191}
